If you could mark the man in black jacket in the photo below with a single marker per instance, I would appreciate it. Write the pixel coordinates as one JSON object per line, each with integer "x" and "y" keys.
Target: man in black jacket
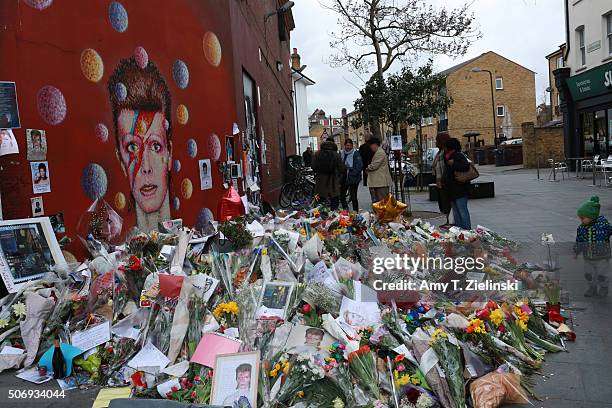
{"x": 455, "y": 161}
{"x": 366, "y": 157}
{"x": 307, "y": 156}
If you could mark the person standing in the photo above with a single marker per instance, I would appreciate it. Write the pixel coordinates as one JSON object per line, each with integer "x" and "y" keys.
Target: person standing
{"x": 329, "y": 170}
{"x": 366, "y": 157}
{"x": 307, "y": 157}
{"x": 437, "y": 169}
{"x": 354, "y": 166}
{"x": 456, "y": 161}
{"x": 379, "y": 176}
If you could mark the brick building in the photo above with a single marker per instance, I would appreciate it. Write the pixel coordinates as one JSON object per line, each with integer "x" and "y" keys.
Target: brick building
{"x": 555, "y": 61}
{"x": 217, "y": 89}
{"x": 469, "y": 85}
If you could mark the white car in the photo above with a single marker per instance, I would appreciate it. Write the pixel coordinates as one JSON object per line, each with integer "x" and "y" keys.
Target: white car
{"x": 512, "y": 142}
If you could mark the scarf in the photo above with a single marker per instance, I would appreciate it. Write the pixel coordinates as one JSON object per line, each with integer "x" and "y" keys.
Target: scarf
{"x": 347, "y": 158}
{"x": 449, "y": 154}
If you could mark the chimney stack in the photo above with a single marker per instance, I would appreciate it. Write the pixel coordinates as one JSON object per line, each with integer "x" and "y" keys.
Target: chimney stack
{"x": 295, "y": 60}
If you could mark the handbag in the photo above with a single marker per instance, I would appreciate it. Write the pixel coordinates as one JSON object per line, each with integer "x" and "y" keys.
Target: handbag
{"x": 467, "y": 176}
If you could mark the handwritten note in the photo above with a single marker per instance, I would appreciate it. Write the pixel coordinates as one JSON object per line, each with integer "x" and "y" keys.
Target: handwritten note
{"x": 149, "y": 356}
{"x": 92, "y": 336}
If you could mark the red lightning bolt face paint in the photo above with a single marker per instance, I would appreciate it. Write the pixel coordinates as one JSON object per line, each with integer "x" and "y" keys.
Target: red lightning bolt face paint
{"x": 144, "y": 152}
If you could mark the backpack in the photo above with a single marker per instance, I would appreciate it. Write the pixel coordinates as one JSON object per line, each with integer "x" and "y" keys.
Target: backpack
{"x": 325, "y": 162}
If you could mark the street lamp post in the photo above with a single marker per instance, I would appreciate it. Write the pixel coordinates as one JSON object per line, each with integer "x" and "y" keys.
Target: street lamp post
{"x": 492, "y": 102}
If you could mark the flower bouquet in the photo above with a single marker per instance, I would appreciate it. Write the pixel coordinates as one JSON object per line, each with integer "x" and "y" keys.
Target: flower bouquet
{"x": 299, "y": 372}
{"x": 362, "y": 364}
{"x": 449, "y": 357}
{"x": 227, "y": 314}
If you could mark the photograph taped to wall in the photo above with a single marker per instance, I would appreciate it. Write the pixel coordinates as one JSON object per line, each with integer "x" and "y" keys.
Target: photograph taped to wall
{"x": 274, "y": 300}
{"x": 396, "y": 142}
{"x": 235, "y": 380}
{"x": 9, "y": 109}
{"x": 8, "y": 143}
{"x": 235, "y": 170}
{"x": 37, "y": 207}
{"x": 36, "y": 140}
{"x": 28, "y": 250}
{"x": 57, "y": 222}
{"x": 205, "y": 174}
{"x": 41, "y": 179}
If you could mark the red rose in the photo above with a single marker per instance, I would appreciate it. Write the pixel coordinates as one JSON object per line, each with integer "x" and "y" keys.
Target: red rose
{"x": 483, "y": 314}
{"x": 197, "y": 378}
{"x": 502, "y": 328}
{"x": 491, "y": 305}
{"x": 193, "y": 394}
{"x": 306, "y": 308}
{"x": 109, "y": 349}
{"x": 135, "y": 263}
{"x": 174, "y": 389}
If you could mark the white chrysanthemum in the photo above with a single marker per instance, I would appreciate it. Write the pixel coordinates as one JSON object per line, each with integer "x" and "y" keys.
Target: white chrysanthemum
{"x": 19, "y": 309}
{"x": 3, "y": 323}
{"x": 424, "y": 401}
{"x": 338, "y": 403}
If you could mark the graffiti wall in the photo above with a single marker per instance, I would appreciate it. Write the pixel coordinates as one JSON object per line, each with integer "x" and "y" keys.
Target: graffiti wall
{"x": 131, "y": 97}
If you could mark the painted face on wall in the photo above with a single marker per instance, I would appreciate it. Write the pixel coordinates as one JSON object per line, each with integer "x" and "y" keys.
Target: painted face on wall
{"x": 145, "y": 154}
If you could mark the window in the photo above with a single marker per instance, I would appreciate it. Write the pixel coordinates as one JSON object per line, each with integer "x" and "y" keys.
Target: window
{"x": 582, "y": 48}
{"x": 442, "y": 116}
{"x": 430, "y": 120}
{"x": 609, "y": 31}
{"x": 560, "y": 62}
{"x": 501, "y": 110}
{"x": 499, "y": 83}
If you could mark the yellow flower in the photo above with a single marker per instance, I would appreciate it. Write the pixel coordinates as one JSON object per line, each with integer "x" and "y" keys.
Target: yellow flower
{"x": 522, "y": 324}
{"x": 438, "y": 334}
{"x": 300, "y": 394}
{"x": 226, "y": 308}
{"x": 415, "y": 380}
{"x": 303, "y": 232}
{"x": 274, "y": 373}
{"x": 497, "y": 316}
{"x": 286, "y": 368}
{"x": 403, "y": 380}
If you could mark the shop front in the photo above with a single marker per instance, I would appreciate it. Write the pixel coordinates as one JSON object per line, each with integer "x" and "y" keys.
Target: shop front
{"x": 590, "y": 109}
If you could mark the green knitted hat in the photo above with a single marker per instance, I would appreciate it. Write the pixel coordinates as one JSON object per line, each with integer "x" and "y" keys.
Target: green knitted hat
{"x": 590, "y": 209}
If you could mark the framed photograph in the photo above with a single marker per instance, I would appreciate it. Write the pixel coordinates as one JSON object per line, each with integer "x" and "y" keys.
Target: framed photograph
{"x": 41, "y": 179}
{"x": 235, "y": 170}
{"x": 37, "y": 144}
{"x": 235, "y": 380}
{"x": 205, "y": 174}
{"x": 305, "y": 339}
{"x": 274, "y": 300}
{"x": 37, "y": 207}
{"x": 28, "y": 250}
{"x": 396, "y": 142}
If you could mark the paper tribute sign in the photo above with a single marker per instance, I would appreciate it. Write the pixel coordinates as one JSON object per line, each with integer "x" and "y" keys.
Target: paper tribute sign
{"x": 92, "y": 336}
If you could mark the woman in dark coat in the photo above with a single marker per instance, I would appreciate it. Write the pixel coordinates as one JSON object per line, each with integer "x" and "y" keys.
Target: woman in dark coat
{"x": 329, "y": 171}
{"x": 456, "y": 161}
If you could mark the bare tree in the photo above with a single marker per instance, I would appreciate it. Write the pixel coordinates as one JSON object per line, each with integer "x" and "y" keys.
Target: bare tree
{"x": 379, "y": 32}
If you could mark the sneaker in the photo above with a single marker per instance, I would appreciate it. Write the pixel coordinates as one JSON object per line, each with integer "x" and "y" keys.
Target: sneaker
{"x": 591, "y": 291}
{"x": 603, "y": 292}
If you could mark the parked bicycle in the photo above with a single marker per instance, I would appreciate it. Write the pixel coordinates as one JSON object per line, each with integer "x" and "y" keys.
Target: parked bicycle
{"x": 298, "y": 193}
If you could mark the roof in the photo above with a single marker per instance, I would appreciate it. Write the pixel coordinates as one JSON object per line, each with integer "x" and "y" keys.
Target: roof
{"x": 302, "y": 76}
{"x": 559, "y": 50}
{"x": 464, "y": 63}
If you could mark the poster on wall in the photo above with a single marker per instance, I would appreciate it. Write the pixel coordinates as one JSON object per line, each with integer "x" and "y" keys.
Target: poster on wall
{"x": 37, "y": 144}
{"x": 229, "y": 148}
{"x": 9, "y": 111}
{"x": 28, "y": 250}
{"x": 8, "y": 143}
{"x": 41, "y": 179}
{"x": 205, "y": 174}
{"x": 37, "y": 206}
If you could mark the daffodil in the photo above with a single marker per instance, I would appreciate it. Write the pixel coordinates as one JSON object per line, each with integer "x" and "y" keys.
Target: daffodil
{"x": 497, "y": 316}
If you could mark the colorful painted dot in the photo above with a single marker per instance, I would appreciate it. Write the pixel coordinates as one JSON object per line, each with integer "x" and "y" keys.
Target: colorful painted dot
{"x": 177, "y": 203}
{"x": 141, "y": 57}
{"x": 92, "y": 65}
{"x": 177, "y": 166}
{"x": 192, "y": 148}
{"x": 214, "y": 146}
{"x": 180, "y": 73}
{"x": 212, "y": 49}
{"x": 94, "y": 181}
{"x": 51, "y": 105}
{"x": 182, "y": 114}
{"x": 120, "y": 91}
{"x": 118, "y": 16}
{"x": 186, "y": 188}
{"x": 120, "y": 201}
{"x": 39, "y": 4}
{"x": 102, "y": 132}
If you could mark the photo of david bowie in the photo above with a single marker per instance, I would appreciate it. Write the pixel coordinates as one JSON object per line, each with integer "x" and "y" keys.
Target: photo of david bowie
{"x": 242, "y": 394}
{"x": 142, "y": 122}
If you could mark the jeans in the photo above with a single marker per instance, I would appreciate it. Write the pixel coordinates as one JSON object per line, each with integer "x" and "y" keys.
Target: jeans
{"x": 461, "y": 214}
{"x": 352, "y": 189}
{"x": 597, "y": 272}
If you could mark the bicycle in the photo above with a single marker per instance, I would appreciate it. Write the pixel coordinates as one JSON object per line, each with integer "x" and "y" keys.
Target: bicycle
{"x": 299, "y": 192}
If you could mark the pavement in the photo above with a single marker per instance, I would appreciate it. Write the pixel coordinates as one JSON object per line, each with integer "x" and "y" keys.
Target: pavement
{"x": 523, "y": 208}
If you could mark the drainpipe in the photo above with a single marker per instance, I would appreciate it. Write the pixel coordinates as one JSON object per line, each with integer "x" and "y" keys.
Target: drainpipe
{"x": 567, "y": 32}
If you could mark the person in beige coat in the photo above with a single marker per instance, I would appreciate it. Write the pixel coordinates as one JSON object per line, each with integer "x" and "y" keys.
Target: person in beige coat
{"x": 379, "y": 176}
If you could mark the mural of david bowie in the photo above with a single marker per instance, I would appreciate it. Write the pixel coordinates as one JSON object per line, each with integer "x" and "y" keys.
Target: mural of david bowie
{"x": 143, "y": 138}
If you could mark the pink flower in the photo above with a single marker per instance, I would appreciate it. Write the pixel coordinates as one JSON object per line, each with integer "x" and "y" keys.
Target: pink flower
{"x": 197, "y": 378}
{"x": 401, "y": 368}
{"x": 525, "y": 308}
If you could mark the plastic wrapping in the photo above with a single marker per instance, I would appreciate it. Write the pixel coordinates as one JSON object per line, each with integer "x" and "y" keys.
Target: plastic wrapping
{"x": 494, "y": 389}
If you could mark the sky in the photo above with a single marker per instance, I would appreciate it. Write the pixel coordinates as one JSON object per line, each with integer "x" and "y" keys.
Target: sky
{"x": 524, "y": 31}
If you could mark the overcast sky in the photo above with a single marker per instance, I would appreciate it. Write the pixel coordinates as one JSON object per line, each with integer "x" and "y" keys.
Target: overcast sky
{"x": 524, "y": 31}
